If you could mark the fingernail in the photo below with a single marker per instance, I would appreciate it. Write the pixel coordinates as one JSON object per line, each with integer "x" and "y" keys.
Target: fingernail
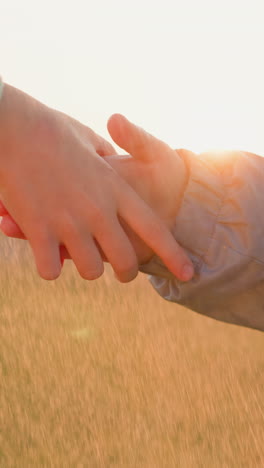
{"x": 187, "y": 272}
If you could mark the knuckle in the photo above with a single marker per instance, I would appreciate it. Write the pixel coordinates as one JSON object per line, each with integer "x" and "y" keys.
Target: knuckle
{"x": 99, "y": 218}
{"x": 63, "y": 224}
{"x": 40, "y": 231}
{"x": 43, "y": 233}
{"x": 109, "y": 149}
{"x": 105, "y": 149}
{"x": 95, "y": 214}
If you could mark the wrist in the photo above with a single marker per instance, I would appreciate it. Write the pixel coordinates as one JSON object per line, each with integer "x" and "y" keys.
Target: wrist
{"x": 23, "y": 119}
{"x": 9, "y": 119}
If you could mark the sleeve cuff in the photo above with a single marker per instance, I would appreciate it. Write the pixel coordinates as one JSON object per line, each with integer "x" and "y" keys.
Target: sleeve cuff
{"x": 200, "y": 207}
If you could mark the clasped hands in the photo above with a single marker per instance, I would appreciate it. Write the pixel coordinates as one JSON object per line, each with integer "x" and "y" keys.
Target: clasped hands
{"x": 72, "y": 196}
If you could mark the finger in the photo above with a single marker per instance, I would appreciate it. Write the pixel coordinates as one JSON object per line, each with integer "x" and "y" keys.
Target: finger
{"x": 136, "y": 141}
{"x": 155, "y": 234}
{"x": 62, "y": 258}
{"x": 127, "y": 168}
{"x": 118, "y": 251}
{"x": 46, "y": 252}
{"x": 3, "y": 209}
{"x": 104, "y": 148}
{"x": 184, "y": 153}
{"x": 64, "y": 254}
{"x": 10, "y": 228}
{"x": 83, "y": 251}
{"x": 101, "y": 146}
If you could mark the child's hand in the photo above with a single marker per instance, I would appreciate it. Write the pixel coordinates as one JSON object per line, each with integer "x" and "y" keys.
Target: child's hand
{"x": 154, "y": 170}
{"x": 157, "y": 173}
{"x": 61, "y": 192}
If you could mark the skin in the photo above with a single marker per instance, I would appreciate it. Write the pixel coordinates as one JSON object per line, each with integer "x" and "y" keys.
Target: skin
{"x": 50, "y": 170}
{"x": 155, "y": 171}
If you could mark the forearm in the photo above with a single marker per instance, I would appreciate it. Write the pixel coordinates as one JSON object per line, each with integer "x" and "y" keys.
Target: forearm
{"x": 1, "y": 87}
{"x": 221, "y": 226}
{"x": 21, "y": 118}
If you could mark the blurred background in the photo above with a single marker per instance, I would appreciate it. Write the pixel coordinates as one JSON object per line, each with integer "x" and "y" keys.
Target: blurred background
{"x": 190, "y": 72}
{"x": 101, "y": 374}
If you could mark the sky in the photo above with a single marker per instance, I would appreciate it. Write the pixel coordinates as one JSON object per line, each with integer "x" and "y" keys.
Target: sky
{"x": 190, "y": 72}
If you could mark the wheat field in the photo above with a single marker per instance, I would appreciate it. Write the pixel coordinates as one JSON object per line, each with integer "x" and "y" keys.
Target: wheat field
{"x": 100, "y": 374}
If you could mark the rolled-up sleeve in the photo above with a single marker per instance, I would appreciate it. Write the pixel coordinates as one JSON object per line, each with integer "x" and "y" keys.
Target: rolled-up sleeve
{"x": 220, "y": 224}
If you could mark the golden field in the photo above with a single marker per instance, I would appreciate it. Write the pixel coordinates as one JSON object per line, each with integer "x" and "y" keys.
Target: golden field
{"x": 102, "y": 374}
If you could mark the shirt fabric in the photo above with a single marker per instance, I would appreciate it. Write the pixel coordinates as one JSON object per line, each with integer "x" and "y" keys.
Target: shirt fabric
{"x": 220, "y": 224}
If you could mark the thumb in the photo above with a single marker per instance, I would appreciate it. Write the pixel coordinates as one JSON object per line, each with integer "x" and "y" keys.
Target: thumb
{"x": 136, "y": 141}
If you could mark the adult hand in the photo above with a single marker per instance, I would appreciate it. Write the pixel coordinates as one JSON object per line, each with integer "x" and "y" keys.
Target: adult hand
{"x": 157, "y": 173}
{"x": 60, "y": 191}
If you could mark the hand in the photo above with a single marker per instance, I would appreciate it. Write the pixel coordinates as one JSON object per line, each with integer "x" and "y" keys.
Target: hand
{"x": 57, "y": 199}
{"x": 156, "y": 172}
{"x": 159, "y": 178}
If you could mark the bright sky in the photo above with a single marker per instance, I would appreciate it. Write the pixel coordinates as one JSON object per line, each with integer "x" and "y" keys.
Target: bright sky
{"x": 189, "y": 71}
